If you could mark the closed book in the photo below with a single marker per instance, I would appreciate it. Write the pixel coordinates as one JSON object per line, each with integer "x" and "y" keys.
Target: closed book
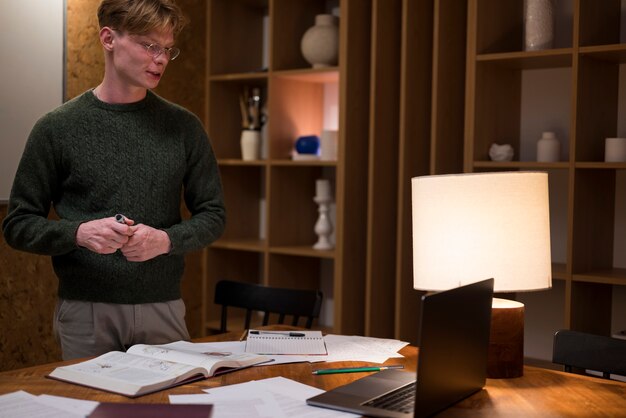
{"x": 150, "y": 410}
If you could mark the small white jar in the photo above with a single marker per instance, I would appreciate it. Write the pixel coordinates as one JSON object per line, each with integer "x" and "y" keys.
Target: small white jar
{"x": 548, "y": 148}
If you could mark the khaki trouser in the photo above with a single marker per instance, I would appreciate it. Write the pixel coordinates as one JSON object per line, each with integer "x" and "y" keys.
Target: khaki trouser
{"x": 86, "y": 329}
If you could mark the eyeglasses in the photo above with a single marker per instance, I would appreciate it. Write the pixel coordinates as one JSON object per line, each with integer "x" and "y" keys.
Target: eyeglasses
{"x": 155, "y": 50}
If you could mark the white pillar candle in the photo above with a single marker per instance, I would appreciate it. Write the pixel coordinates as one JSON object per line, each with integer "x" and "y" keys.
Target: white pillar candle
{"x": 615, "y": 150}
{"x": 322, "y": 188}
{"x": 328, "y": 145}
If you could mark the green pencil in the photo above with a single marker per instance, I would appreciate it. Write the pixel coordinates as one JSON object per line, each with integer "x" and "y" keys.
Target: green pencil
{"x": 357, "y": 369}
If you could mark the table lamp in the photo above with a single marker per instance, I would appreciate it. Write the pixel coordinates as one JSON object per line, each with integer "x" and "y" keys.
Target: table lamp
{"x": 470, "y": 227}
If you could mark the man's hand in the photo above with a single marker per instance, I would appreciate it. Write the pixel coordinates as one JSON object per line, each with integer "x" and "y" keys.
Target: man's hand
{"x": 104, "y": 236}
{"x": 146, "y": 243}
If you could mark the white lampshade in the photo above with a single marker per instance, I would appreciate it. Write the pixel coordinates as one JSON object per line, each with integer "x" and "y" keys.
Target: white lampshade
{"x": 471, "y": 227}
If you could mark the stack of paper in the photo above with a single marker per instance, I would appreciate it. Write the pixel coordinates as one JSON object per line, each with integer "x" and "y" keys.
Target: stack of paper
{"x": 339, "y": 347}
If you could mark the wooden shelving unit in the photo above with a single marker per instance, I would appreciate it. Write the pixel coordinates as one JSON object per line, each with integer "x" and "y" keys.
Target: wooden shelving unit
{"x": 425, "y": 87}
{"x": 590, "y": 55}
{"x": 270, "y": 209}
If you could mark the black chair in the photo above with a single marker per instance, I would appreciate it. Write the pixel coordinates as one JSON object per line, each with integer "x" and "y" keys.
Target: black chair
{"x": 269, "y": 300}
{"x": 580, "y": 350}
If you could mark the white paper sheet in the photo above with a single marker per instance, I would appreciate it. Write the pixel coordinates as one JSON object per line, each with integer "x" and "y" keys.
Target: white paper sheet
{"x": 357, "y": 348}
{"x": 284, "y": 398}
{"x": 22, "y": 404}
{"x": 80, "y": 407}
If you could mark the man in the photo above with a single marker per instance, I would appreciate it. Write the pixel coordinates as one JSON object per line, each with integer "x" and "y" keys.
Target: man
{"x": 119, "y": 149}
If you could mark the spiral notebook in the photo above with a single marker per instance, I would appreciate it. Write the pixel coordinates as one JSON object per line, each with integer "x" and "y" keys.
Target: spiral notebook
{"x": 285, "y": 342}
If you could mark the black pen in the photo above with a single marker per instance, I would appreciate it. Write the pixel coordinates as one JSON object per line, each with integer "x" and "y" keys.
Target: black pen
{"x": 290, "y": 334}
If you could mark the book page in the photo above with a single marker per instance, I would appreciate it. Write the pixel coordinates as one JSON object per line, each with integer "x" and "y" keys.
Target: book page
{"x": 209, "y": 360}
{"x": 125, "y": 373}
{"x": 276, "y": 342}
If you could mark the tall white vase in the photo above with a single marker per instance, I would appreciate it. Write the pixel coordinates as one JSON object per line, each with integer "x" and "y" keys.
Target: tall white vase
{"x": 320, "y": 43}
{"x": 538, "y": 24}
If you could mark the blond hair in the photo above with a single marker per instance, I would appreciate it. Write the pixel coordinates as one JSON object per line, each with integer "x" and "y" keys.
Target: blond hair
{"x": 139, "y": 17}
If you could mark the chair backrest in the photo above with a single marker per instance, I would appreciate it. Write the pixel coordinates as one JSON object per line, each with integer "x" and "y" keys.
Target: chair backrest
{"x": 269, "y": 300}
{"x": 581, "y": 350}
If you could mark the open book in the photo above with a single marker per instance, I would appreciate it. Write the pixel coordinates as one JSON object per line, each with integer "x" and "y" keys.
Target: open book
{"x": 149, "y": 368}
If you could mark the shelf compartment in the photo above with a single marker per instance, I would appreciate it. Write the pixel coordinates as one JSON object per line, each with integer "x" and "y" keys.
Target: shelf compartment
{"x": 298, "y": 272}
{"x": 594, "y": 220}
{"x": 293, "y": 212}
{"x": 507, "y": 110}
{"x": 596, "y": 104}
{"x": 290, "y": 20}
{"x": 244, "y": 193}
{"x": 590, "y": 307}
{"x": 500, "y": 25}
{"x": 231, "y": 49}
{"x": 599, "y": 22}
{"x": 224, "y": 110}
{"x": 297, "y": 108}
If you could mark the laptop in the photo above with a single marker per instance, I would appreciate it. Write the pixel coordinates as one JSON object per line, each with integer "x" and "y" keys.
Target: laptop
{"x": 452, "y": 361}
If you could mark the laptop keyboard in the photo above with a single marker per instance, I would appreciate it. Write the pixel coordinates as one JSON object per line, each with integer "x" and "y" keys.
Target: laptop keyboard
{"x": 401, "y": 399}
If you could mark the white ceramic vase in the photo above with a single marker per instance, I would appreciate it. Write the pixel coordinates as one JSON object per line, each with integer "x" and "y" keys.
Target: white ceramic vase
{"x": 250, "y": 144}
{"x": 320, "y": 43}
{"x": 538, "y": 24}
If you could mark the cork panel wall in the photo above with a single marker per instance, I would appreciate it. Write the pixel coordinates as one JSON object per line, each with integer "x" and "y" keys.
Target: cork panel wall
{"x": 27, "y": 282}
{"x": 27, "y": 298}
{"x": 85, "y": 61}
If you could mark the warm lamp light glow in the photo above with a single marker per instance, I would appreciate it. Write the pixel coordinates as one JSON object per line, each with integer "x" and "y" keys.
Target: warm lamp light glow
{"x": 471, "y": 227}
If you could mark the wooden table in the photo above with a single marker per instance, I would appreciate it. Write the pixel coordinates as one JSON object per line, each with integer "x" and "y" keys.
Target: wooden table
{"x": 540, "y": 392}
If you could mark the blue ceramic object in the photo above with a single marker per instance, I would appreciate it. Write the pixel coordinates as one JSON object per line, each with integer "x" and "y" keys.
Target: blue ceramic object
{"x": 308, "y": 144}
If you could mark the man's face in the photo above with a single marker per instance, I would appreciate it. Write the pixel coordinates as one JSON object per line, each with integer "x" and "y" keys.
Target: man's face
{"x": 134, "y": 66}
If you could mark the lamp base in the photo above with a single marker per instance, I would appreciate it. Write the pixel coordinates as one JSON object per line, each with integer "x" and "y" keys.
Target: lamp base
{"x": 506, "y": 342}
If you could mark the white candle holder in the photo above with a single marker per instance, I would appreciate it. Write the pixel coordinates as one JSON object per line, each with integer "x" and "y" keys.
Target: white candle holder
{"x": 323, "y": 227}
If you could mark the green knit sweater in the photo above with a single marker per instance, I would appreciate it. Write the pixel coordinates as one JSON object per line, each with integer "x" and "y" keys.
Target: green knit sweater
{"x": 90, "y": 160}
